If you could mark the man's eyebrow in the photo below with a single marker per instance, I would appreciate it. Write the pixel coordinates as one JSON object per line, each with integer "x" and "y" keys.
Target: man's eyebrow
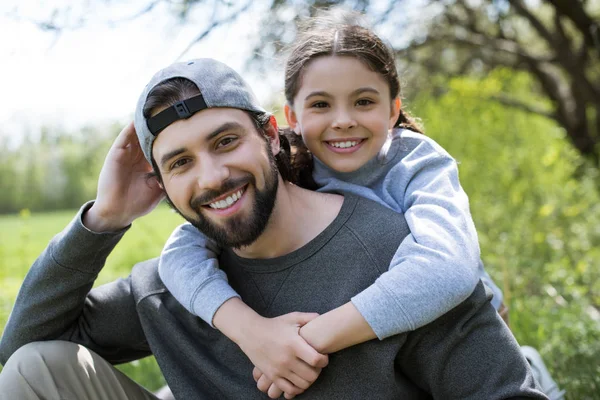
{"x": 170, "y": 155}
{"x": 228, "y": 126}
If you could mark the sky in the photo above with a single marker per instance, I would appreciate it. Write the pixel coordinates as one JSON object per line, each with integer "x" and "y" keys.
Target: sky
{"x": 95, "y": 72}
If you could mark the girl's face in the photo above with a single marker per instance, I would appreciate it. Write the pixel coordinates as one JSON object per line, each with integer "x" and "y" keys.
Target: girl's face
{"x": 343, "y": 111}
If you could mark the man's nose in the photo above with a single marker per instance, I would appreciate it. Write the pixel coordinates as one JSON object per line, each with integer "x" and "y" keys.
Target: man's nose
{"x": 343, "y": 119}
{"x": 212, "y": 173}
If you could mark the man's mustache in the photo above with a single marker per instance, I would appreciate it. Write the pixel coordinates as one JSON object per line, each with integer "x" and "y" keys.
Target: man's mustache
{"x": 210, "y": 195}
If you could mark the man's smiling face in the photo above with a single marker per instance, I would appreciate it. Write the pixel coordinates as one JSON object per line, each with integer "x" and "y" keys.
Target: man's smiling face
{"x": 219, "y": 172}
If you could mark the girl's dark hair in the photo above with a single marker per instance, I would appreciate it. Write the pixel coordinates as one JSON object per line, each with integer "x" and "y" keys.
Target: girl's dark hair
{"x": 341, "y": 33}
{"x": 174, "y": 90}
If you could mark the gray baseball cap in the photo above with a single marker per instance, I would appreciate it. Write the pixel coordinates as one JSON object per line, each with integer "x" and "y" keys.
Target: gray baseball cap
{"x": 220, "y": 86}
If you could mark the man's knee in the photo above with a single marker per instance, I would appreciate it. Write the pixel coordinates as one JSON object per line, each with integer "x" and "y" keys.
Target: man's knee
{"x": 64, "y": 370}
{"x": 32, "y": 371}
{"x": 38, "y": 358}
{"x": 50, "y": 353}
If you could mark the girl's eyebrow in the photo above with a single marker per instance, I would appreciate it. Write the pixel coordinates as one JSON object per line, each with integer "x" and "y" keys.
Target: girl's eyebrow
{"x": 366, "y": 89}
{"x": 321, "y": 93}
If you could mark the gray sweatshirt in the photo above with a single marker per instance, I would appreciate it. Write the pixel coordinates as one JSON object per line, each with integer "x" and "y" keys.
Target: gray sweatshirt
{"x": 469, "y": 353}
{"x": 433, "y": 270}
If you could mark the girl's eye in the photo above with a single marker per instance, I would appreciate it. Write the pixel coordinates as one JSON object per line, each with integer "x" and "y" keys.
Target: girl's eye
{"x": 226, "y": 141}
{"x": 364, "y": 102}
{"x": 320, "y": 104}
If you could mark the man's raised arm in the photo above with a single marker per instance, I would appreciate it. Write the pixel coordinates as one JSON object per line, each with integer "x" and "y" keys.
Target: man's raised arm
{"x": 54, "y": 301}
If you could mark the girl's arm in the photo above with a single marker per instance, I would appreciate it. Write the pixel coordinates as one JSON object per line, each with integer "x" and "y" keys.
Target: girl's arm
{"x": 189, "y": 269}
{"x": 436, "y": 266}
{"x": 337, "y": 329}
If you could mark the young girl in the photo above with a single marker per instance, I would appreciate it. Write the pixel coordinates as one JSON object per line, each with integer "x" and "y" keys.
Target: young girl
{"x": 342, "y": 91}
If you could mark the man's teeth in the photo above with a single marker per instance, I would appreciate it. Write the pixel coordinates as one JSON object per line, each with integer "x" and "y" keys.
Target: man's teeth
{"x": 343, "y": 145}
{"x": 227, "y": 202}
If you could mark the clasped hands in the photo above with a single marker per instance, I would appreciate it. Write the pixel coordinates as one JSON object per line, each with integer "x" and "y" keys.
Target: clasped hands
{"x": 286, "y": 352}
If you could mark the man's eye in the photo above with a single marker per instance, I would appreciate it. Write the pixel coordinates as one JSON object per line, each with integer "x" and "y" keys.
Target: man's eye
{"x": 226, "y": 141}
{"x": 364, "y": 102}
{"x": 179, "y": 163}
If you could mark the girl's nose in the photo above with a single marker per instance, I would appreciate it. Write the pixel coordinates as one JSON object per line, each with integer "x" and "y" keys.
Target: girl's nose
{"x": 343, "y": 120}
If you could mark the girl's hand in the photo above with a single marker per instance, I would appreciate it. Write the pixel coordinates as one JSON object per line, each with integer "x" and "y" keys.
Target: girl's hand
{"x": 124, "y": 190}
{"x": 288, "y": 364}
{"x": 273, "y": 345}
{"x": 265, "y": 385}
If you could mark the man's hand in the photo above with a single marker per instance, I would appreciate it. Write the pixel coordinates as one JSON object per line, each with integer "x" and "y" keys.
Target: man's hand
{"x": 124, "y": 190}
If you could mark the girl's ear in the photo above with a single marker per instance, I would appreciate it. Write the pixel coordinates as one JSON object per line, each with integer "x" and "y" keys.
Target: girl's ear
{"x": 292, "y": 120}
{"x": 395, "y": 112}
{"x": 273, "y": 134}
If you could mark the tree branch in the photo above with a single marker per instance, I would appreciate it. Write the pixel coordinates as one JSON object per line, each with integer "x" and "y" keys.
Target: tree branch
{"x": 522, "y": 10}
{"x": 515, "y": 103}
{"x": 574, "y": 11}
{"x": 212, "y": 26}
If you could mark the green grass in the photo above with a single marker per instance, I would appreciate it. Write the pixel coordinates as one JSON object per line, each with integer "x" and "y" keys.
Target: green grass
{"x": 23, "y": 237}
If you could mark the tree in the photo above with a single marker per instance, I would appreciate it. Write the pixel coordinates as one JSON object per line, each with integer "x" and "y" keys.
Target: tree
{"x": 557, "y": 42}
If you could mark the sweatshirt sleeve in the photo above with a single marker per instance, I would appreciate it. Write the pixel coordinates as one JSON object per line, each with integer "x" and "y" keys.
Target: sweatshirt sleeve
{"x": 56, "y": 300}
{"x": 436, "y": 266}
{"x": 190, "y": 270}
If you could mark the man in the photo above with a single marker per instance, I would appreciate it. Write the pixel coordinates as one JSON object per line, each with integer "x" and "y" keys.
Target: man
{"x": 287, "y": 251}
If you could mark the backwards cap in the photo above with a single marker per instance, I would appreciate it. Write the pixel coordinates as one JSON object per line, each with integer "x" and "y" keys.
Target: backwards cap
{"x": 219, "y": 86}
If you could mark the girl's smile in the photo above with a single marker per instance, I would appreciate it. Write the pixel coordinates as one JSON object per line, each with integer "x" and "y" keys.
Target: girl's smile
{"x": 349, "y": 145}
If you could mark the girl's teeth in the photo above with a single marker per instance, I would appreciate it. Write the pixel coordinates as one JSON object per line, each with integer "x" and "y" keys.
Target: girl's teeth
{"x": 228, "y": 201}
{"x": 344, "y": 145}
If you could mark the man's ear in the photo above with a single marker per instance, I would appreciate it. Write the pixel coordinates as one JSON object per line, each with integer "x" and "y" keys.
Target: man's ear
{"x": 395, "y": 111}
{"x": 273, "y": 133}
{"x": 292, "y": 120}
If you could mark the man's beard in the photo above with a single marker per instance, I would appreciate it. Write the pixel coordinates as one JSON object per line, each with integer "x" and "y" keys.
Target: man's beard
{"x": 238, "y": 231}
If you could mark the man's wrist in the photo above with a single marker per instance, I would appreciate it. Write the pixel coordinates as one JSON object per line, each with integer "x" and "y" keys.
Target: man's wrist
{"x": 96, "y": 221}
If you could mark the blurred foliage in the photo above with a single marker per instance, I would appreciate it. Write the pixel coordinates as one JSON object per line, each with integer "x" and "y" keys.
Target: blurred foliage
{"x": 57, "y": 170}
{"x": 536, "y": 206}
{"x": 534, "y": 199}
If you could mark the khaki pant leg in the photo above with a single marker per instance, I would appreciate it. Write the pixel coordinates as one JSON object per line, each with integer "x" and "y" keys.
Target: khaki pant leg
{"x": 57, "y": 370}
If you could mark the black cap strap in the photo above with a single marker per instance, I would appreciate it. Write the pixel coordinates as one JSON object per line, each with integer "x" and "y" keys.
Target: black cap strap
{"x": 180, "y": 110}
